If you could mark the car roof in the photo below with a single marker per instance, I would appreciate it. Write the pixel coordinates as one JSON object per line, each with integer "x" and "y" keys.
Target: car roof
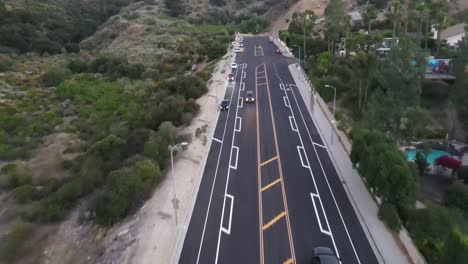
{"x": 225, "y": 101}
{"x": 249, "y": 92}
{"x": 323, "y": 250}
{"x": 328, "y": 259}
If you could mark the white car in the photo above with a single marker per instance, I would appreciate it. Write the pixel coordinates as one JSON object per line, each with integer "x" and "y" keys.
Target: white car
{"x": 237, "y": 50}
{"x": 240, "y": 45}
{"x": 233, "y": 66}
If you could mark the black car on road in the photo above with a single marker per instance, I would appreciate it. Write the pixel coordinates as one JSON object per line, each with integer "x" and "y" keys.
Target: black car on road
{"x": 324, "y": 255}
{"x": 225, "y": 105}
{"x": 249, "y": 97}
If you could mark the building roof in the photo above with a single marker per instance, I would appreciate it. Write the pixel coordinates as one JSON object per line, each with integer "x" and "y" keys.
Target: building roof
{"x": 453, "y": 31}
{"x": 355, "y": 16}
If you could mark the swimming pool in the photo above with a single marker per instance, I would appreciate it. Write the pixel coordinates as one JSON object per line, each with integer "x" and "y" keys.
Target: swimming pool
{"x": 433, "y": 155}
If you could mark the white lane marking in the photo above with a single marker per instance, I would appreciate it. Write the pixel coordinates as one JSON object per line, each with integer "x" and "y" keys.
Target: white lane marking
{"x": 242, "y": 86}
{"x": 286, "y": 101}
{"x": 313, "y": 195}
{"x": 311, "y": 174}
{"x": 216, "y": 175}
{"x": 300, "y": 150}
{"x": 293, "y": 124}
{"x": 227, "y": 181}
{"x": 243, "y": 74}
{"x": 318, "y": 145}
{"x": 240, "y": 102}
{"x": 238, "y": 123}
{"x": 244, "y": 65}
{"x": 326, "y": 179}
{"x": 217, "y": 140}
{"x": 281, "y": 86}
{"x": 228, "y": 230}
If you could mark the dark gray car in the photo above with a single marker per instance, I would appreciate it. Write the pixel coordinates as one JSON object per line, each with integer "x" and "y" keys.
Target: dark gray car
{"x": 249, "y": 97}
{"x": 225, "y": 105}
{"x": 324, "y": 255}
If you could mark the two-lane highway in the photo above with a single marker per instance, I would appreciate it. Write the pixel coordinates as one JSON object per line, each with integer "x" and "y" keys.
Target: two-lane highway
{"x": 270, "y": 193}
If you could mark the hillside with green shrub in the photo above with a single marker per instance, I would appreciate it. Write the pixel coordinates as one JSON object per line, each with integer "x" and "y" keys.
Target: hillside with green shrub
{"x": 88, "y": 108}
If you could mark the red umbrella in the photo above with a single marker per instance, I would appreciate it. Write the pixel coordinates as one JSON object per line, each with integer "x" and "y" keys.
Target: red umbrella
{"x": 448, "y": 162}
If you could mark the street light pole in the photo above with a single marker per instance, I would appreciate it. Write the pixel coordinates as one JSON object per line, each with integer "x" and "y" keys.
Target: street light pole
{"x": 334, "y": 107}
{"x": 175, "y": 202}
{"x": 299, "y": 47}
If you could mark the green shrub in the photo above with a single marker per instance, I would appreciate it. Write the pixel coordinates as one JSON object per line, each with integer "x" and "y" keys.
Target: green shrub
{"x": 24, "y": 193}
{"x": 457, "y": 196}
{"x": 463, "y": 174}
{"x": 66, "y": 164}
{"x": 78, "y": 66}
{"x": 5, "y": 64}
{"x": 16, "y": 176}
{"x": 18, "y": 234}
{"x": 54, "y": 77}
{"x": 127, "y": 186}
{"x": 389, "y": 215}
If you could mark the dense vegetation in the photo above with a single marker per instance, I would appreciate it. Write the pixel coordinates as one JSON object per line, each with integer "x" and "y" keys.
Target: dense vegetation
{"x": 51, "y": 26}
{"x": 124, "y": 112}
{"x": 385, "y": 101}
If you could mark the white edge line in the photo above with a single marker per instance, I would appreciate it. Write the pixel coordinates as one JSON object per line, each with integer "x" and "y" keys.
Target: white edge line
{"x": 218, "y": 140}
{"x": 227, "y": 183}
{"x": 326, "y": 179}
{"x": 312, "y": 174}
{"x": 286, "y": 101}
{"x": 214, "y": 179}
{"x": 293, "y": 124}
{"x": 312, "y": 196}
{"x": 237, "y": 156}
{"x": 318, "y": 145}
{"x": 300, "y": 156}
{"x": 228, "y": 230}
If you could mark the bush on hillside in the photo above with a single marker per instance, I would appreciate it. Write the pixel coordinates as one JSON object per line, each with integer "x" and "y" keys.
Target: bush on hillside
{"x": 389, "y": 215}
{"x": 24, "y": 193}
{"x": 457, "y": 196}
{"x": 18, "y": 234}
{"x": 126, "y": 187}
{"x": 54, "y": 77}
{"x": 15, "y": 175}
{"x": 256, "y": 24}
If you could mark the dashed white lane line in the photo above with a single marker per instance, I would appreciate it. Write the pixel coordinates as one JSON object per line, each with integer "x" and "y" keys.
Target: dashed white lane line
{"x": 227, "y": 230}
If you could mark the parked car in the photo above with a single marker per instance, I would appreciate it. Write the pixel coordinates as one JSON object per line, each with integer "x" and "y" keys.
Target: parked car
{"x": 278, "y": 51}
{"x": 249, "y": 97}
{"x": 324, "y": 255}
{"x": 225, "y": 105}
{"x": 240, "y": 45}
{"x": 231, "y": 77}
{"x": 270, "y": 39}
{"x": 234, "y": 66}
{"x": 237, "y": 50}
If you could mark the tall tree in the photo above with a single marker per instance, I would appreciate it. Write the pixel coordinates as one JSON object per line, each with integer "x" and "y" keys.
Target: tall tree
{"x": 401, "y": 83}
{"x": 440, "y": 9}
{"x": 334, "y": 13}
{"x": 370, "y": 15}
{"x": 395, "y": 15}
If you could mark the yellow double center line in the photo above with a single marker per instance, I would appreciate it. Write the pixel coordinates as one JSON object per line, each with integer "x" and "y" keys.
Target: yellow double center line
{"x": 280, "y": 180}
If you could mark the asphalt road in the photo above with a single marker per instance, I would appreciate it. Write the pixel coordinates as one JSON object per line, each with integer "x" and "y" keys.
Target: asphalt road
{"x": 270, "y": 192}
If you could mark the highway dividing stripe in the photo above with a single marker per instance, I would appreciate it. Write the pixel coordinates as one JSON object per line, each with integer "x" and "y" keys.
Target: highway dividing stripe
{"x": 293, "y": 124}
{"x": 274, "y": 220}
{"x": 300, "y": 150}
{"x": 268, "y": 161}
{"x": 323, "y": 230}
{"x": 270, "y": 185}
{"x": 235, "y": 158}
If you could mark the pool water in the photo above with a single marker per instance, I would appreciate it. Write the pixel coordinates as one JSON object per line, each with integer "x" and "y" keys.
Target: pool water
{"x": 433, "y": 155}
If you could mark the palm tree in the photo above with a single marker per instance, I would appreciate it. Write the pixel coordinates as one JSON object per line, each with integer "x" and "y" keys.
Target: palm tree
{"x": 395, "y": 14}
{"x": 441, "y": 9}
{"x": 369, "y": 16}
